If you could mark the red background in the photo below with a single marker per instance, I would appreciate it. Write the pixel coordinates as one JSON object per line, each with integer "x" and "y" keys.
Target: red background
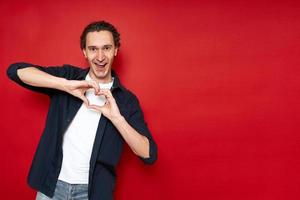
{"x": 218, "y": 82}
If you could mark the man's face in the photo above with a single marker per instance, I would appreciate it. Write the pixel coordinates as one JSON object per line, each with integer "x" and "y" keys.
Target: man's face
{"x": 100, "y": 52}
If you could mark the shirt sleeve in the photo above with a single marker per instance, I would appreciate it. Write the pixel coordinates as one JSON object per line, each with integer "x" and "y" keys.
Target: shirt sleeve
{"x": 55, "y": 71}
{"x": 136, "y": 120}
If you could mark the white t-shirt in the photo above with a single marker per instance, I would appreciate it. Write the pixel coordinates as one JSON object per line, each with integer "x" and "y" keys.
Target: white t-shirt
{"x": 79, "y": 138}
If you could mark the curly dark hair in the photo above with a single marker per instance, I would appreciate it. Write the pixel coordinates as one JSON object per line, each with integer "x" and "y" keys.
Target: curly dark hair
{"x": 100, "y": 26}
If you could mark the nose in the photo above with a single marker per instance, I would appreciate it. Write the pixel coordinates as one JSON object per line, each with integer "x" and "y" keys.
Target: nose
{"x": 100, "y": 55}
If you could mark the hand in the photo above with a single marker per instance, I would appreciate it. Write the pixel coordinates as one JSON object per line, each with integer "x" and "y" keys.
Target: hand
{"x": 78, "y": 89}
{"x": 110, "y": 108}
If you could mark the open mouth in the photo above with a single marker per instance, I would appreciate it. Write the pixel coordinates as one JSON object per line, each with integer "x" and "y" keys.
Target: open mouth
{"x": 100, "y": 65}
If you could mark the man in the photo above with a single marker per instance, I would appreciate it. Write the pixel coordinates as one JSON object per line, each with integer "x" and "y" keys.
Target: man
{"x": 90, "y": 116}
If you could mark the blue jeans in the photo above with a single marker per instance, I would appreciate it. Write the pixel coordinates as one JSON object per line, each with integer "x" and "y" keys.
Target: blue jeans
{"x": 66, "y": 191}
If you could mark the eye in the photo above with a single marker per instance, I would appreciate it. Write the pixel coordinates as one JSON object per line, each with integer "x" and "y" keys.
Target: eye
{"x": 107, "y": 48}
{"x": 93, "y": 49}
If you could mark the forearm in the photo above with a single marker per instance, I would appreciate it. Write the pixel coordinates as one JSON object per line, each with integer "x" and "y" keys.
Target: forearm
{"x": 138, "y": 143}
{"x": 35, "y": 77}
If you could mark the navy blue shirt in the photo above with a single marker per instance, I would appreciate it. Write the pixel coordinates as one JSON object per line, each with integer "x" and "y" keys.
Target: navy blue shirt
{"x": 108, "y": 143}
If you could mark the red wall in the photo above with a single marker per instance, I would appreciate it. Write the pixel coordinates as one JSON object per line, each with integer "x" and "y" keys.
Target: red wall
{"x": 218, "y": 81}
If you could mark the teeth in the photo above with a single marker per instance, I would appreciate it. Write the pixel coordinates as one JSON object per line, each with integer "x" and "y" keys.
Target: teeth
{"x": 100, "y": 65}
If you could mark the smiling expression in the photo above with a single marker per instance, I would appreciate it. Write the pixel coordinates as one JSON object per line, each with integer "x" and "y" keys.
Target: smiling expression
{"x": 100, "y": 51}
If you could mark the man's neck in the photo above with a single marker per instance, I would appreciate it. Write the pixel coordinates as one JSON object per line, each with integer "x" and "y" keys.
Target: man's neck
{"x": 107, "y": 79}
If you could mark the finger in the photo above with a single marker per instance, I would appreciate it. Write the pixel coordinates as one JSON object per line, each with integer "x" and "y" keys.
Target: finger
{"x": 83, "y": 84}
{"x": 85, "y": 100}
{"x": 110, "y": 98}
{"x": 95, "y": 86}
{"x": 89, "y": 84}
{"x": 96, "y": 108}
{"x": 106, "y": 93}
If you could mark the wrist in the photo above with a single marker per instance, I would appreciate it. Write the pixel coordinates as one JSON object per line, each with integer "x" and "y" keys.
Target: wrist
{"x": 63, "y": 84}
{"x": 118, "y": 119}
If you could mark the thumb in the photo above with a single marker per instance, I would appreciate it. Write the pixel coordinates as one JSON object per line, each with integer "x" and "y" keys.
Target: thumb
{"x": 96, "y": 108}
{"x": 85, "y": 100}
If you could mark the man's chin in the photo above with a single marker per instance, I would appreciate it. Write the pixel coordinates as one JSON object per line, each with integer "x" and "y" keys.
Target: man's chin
{"x": 103, "y": 76}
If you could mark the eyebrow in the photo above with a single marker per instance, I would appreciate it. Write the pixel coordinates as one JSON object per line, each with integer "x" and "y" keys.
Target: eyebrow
{"x": 107, "y": 45}
{"x": 92, "y": 47}
{"x": 104, "y": 46}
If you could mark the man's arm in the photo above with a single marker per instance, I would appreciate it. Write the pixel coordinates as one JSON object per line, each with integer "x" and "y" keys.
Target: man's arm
{"x": 35, "y": 77}
{"x": 48, "y": 79}
{"x": 139, "y": 144}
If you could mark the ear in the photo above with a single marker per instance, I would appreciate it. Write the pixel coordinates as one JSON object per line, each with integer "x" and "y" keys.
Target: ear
{"x": 84, "y": 53}
{"x": 116, "y": 51}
